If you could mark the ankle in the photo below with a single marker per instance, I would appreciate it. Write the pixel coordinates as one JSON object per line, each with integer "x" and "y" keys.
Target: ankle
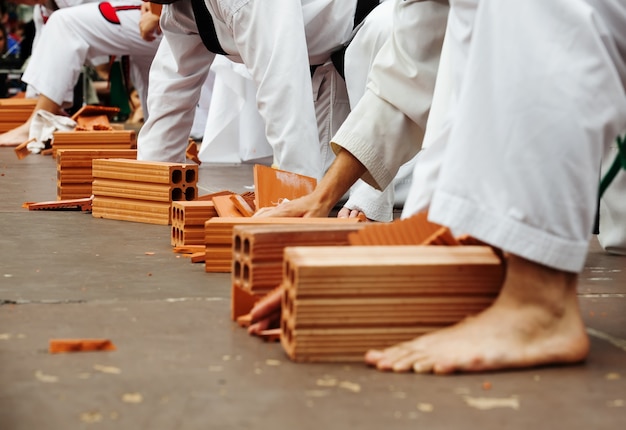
{"x": 534, "y": 284}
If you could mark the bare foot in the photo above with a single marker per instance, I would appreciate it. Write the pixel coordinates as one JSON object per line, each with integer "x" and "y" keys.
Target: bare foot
{"x": 15, "y": 136}
{"x": 535, "y": 321}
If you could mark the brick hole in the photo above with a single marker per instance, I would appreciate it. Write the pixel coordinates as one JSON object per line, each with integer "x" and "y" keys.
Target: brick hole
{"x": 286, "y": 331}
{"x": 246, "y": 246}
{"x": 287, "y": 302}
{"x": 237, "y": 243}
{"x": 190, "y": 175}
{"x": 237, "y": 269}
{"x": 286, "y": 269}
{"x": 177, "y": 176}
{"x": 292, "y": 276}
{"x": 246, "y": 273}
{"x": 177, "y": 193}
{"x": 190, "y": 194}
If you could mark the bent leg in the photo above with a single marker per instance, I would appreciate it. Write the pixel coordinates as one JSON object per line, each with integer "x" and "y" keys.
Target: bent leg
{"x": 70, "y": 37}
{"x": 178, "y": 71}
{"x": 539, "y": 120}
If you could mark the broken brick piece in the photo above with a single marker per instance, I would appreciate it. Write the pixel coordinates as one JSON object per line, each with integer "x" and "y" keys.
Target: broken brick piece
{"x": 198, "y": 257}
{"x": 192, "y": 152}
{"x": 72, "y": 204}
{"x": 272, "y": 186}
{"x": 225, "y": 207}
{"x": 22, "y": 150}
{"x": 188, "y": 249}
{"x": 57, "y": 346}
{"x": 242, "y": 205}
{"x": 415, "y": 230}
{"x": 209, "y": 197}
{"x": 95, "y": 110}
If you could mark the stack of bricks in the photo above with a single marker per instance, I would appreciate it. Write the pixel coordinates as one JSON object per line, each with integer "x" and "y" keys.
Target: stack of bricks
{"x": 14, "y": 112}
{"x": 141, "y": 191}
{"x": 94, "y": 139}
{"x": 258, "y": 255}
{"x": 188, "y": 219}
{"x": 74, "y": 169}
{"x": 338, "y": 303}
{"x": 219, "y": 236}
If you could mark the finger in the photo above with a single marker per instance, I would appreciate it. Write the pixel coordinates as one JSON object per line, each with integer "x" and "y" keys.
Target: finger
{"x": 270, "y": 322}
{"x": 262, "y": 212}
{"x": 269, "y": 304}
{"x": 343, "y": 213}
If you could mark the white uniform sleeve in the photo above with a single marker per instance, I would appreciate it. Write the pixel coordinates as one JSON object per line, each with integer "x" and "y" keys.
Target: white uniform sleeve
{"x": 386, "y": 128}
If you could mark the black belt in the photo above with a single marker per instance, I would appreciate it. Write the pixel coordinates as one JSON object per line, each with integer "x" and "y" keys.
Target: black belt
{"x": 204, "y": 21}
{"x": 363, "y": 8}
{"x": 206, "y": 27}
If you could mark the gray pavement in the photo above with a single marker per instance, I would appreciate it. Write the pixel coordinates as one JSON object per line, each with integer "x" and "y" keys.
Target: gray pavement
{"x": 181, "y": 363}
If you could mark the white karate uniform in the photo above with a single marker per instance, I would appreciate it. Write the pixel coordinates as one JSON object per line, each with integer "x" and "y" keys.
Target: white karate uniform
{"x": 612, "y": 231}
{"x": 74, "y": 34}
{"x": 41, "y": 14}
{"x": 202, "y": 108}
{"x": 276, "y": 41}
{"x": 235, "y": 130}
{"x": 376, "y": 29}
{"x": 385, "y": 129}
{"x": 533, "y": 110}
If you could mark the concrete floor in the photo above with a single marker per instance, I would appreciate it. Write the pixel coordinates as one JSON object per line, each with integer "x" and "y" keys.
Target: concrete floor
{"x": 182, "y": 364}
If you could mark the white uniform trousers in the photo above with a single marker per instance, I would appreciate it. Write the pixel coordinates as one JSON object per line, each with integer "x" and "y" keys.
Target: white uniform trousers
{"x": 533, "y": 109}
{"x": 40, "y": 15}
{"x": 252, "y": 33}
{"x": 74, "y": 34}
{"x": 233, "y": 122}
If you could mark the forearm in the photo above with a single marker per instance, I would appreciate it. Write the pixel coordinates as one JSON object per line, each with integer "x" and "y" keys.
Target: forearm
{"x": 149, "y": 22}
{"x": 342, "y": 174}
{"x": 381, "y": 137}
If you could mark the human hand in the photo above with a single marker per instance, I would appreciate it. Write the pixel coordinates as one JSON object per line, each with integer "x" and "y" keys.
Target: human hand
{"x": 303, "y": 207}
{"x": 148, "y": 23}
{"x": 265, "y": 314}
{"x": 345, "y": 212}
